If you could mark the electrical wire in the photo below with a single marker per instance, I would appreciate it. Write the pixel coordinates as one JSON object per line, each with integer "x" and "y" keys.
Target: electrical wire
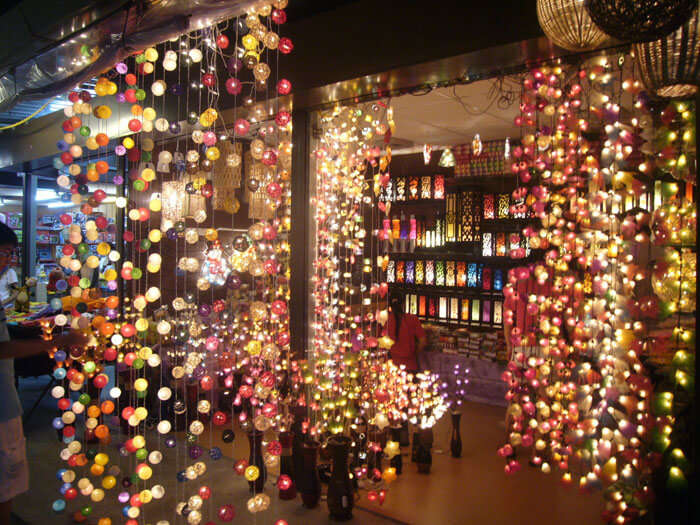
{"x": 26, "y": 119}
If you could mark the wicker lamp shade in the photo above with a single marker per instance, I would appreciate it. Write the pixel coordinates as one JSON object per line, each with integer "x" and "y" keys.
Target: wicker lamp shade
{"x": 568, "y": 24}
{"x": 639, "y": 20}
{"x": 670, "y": 67}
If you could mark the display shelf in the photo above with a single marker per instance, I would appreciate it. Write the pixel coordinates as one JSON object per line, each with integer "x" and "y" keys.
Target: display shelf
{"x": 443, "y": 255}
{"x": 483, "y": 182}
{"x": 418, "y": 202}
{"x": 450, "y": 291}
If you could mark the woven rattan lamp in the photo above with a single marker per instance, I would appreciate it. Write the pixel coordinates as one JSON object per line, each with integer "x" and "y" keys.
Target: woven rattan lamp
{"x": 670, "y": 66}
{"x": 640, "y": 20}
{"x": 568, "y": 24}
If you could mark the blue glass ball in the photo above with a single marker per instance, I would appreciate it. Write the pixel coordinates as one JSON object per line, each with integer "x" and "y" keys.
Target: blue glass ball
{"x": 59, "y": 505}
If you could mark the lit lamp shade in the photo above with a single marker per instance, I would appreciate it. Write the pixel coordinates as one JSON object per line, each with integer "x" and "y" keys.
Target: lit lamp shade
{"x": 177, "y": 204}
{"x": 568, "y": 24}
{"x": 670, "y": 66}
{"x": 639, "y": 20}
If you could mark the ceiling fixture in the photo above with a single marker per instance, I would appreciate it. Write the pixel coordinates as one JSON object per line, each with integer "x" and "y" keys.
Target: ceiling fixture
{"x": 639, "y": 20}
{"x": 568, "y": 24}
{"x": 670, "y": 67}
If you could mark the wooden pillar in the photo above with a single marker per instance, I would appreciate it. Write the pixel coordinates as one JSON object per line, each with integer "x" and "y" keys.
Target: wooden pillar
{"x": 299, "y": 238}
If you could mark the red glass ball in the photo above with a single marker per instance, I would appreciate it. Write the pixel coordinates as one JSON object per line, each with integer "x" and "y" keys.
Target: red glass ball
{"x": 222, "y": 41}
{"x": 208, "y": 79}
{"x": 283, "y": 118}
{"x": 130, "y": 95}
{"x": 279, "y": 16}
{"x": 284, "y": 87}
{"x": 226, "y": 513}
{"x": 219, "y": 418}
{"x": 285, "y": 46}
{"x": 135, "y": 125}
{"x": 233, "y": 86}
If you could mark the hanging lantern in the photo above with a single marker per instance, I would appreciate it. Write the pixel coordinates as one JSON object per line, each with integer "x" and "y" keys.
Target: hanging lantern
{"x": 447, "y": 159}
{"x": 639, "y": 21}
{"x": 568, "y": 25}
{"x": 670, "y": 67}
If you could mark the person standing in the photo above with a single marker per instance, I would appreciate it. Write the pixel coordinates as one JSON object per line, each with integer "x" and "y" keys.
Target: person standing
{"x": 8, "y": 280}
{"x": 14, "y": 474}
{"x": 406, "y": 332}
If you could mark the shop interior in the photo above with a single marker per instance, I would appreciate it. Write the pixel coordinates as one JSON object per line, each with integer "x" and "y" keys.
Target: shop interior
{"x": 237, "y": 290}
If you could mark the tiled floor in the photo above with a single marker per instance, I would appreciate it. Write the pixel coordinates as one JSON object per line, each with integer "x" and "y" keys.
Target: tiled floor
{"x": 465, "y": 491}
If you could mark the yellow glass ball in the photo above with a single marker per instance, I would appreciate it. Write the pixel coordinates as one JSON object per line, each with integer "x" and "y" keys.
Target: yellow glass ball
{"x": 141, "y": 413}
{"x": 91, "y": 143}
{"x": 74, "y": 169}
{"x": 139, "y": 441}
{"x": 97, "y": 495}
{"x": 249, "y": 42}
{"x": 211, "y": 234}
{"x": 155, "y": 235}
{"x": 155, "y": 205}
{"x": 104, "y": 248}
{"x": 93, "y": 261}
{"x": 145, "y": 496}
{"x": 128, "y": 143}
{"x": 141, "y": 325}
{"x": 151, "y": 54}
{"x": 101, "y": 459}
{"x": 149, "y": 114}
{"x": 110, "y": 275}
{"x": 108, "y": 482}
{"x": 141, "y": 384}
{"x": 252, "y": 473}
{"x": 213, "y": 153}
{"x": 148, "y": 174}
{"x": 145, "y": 472}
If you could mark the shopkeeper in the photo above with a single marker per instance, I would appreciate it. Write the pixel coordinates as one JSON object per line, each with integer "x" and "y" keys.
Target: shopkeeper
{"x": 406, "y": 332}
{"x": 8, "y": 281}
{"x": 14, "y": 474}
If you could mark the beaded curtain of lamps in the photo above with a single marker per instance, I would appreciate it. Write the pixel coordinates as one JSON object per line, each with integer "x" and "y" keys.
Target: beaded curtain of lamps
{"x": 611, "y": 176}
{"x": 353, "y": 389}
{"x": 223, "y": 323}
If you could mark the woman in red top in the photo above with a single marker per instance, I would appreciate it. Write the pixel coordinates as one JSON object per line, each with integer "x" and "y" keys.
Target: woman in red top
{"x": 407, "y": 333}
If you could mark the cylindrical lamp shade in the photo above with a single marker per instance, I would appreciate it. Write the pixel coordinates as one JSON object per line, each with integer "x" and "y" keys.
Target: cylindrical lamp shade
{"x": 639, "y": 20}
{"x": 670, "y": 67}
{"x": 568, "y": 24}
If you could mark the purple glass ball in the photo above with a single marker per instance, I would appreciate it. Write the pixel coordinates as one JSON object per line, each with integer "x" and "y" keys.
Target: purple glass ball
{"x": 112, "y": 285}
{"x": 170, "y": 442}
{"x": 171, "y": 234}
{"x": 121, "y": 98}
{"x": 62, "y": 145}
{"x": 120, "y": 150}
{"x": 175, "y": 127}
{"x": 118, "y": 179}
{"x": 195, "y": 451}
{"x": 123, "y": 497}
{"x": 121, "y": 68}
{"x": 199, "y": 372}
{"x": 234, "y": 64}
{"x": 204, "y": 310}
{"x": 177, "y": 89}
